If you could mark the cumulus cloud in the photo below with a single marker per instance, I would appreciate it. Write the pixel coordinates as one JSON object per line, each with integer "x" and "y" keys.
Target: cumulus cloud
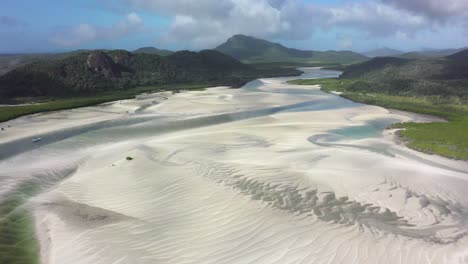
{"x": 208, "y": 8}
{"x": 376, "y": 19}
{"x": 84, "y": 33}
{"x": 205, "y": 23}
{"x": 434, "y": 9}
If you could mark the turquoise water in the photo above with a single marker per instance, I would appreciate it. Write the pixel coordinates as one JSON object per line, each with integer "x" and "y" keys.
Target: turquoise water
{"x": 139, "y": 125}
{"x": 373, "y": 128}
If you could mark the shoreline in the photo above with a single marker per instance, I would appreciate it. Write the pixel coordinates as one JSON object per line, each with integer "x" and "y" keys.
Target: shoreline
{"x": 61, "y": 104}
{"x": 420, "y": 118}
{"x": 265, "y": 151}
{"x": 58, "y": 104}
{"x": 416, "y": 118}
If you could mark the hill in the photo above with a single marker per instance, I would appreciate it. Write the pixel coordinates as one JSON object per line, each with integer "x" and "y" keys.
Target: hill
{"x": 434, "y": 86}
{"x": 9, "y": 62}
{"x": 153, "y": 50}
{"x": 430, "y": 53}
{"x": 93, "y": 72}
{"x": 447, "y": 76}
{"x": 254, "y": 50}
{"x": 383, "y": 52}
{"x": 461, "y": 56}
{"x": 457, "y": 66}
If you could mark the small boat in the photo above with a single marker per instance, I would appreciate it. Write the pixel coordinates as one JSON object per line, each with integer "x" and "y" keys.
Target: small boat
{"x": 36, "y": 139}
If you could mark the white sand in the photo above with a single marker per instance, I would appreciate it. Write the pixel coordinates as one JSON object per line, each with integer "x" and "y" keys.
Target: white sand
{"x": 269, "y": 189}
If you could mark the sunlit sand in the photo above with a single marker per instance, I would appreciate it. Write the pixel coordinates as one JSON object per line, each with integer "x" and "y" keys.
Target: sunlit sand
{"x": 270, "y": 173}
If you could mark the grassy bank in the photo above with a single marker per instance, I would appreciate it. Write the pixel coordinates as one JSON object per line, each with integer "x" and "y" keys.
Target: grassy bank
{"x": 54, "y": 104}
{"x": 447, "y": 139}
{"x": 64, "y": 103}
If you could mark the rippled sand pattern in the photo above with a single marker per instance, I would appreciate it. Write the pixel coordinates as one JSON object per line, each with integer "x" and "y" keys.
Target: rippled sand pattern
{"x": 271, "y": 173}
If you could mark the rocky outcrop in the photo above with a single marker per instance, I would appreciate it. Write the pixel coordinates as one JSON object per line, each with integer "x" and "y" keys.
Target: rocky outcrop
{"x": 100, "y": 62}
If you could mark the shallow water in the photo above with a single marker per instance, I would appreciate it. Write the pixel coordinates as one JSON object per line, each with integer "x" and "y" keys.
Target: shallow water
{"x": 269, "y": 173}
{"x": 139, "y": 125}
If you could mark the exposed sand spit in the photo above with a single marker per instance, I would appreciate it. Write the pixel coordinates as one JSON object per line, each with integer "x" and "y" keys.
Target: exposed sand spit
{"x": 255, "y": 175}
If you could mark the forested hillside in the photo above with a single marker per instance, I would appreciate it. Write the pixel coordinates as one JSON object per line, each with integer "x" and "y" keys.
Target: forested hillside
{"x": 446, "y": 77}
{"x": 437, "y": 86}
{"x": 255, "y": 50}
{"x": 91, "y": 72}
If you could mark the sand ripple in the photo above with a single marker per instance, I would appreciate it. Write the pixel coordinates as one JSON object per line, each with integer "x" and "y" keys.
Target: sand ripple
{"x": 272, "y": 173}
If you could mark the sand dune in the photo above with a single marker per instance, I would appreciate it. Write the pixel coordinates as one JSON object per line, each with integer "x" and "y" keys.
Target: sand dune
{"x": 271, "y": 173}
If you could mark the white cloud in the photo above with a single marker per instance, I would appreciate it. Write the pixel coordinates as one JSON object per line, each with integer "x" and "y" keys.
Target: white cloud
{"x": 376, "y": 19}
{"x": 344, "y": 43}
{"x": 84, "y": 33}
{"x": 434, "y": 9}
{"x": 206, "y": 23}
{"x": 133, "y": 18}
{"x": 243, "y": 16}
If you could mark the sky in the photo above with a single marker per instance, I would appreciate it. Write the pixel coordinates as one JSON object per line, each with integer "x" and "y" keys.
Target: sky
{"x": 360, "y": 25}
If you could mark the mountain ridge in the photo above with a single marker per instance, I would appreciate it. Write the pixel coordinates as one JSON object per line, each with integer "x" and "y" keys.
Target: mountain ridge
{"x": 255, "y": 50}
{"x": 153, "y": 50}
{"x": 442, "y": 76}
{"x": 91, "y": 72}
{"x": 383, "y": 52}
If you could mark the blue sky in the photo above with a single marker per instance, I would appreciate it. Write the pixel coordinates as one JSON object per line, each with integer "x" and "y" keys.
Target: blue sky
{"x": 53, "y": 25}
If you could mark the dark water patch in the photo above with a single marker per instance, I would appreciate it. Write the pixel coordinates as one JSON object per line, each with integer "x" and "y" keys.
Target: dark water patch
{"x": 134, "y": 127}
{"x": 329, "y": 207}
{"x": 330, "y": 102}
{"x": 26, "y": 144}
{"x": 122, "y": 128}
{"x": 329, "y": 140}
{"x": 83, "y": 215}
{"x": 371, "y": 129}
{"x": 32, "y": 186}
{"x": 143, "y": 108}
{"x": 308, "y": 73}
{"x": 17, "y": 233}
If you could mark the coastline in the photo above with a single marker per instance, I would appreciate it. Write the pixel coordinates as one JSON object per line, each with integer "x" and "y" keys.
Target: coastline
{"x": 218, "y": 186}
{"x": 394, "y": 133}
{"x": 444, "y": 129}
{"x": 416, "y": 118}
{"x": 10, "y": 112}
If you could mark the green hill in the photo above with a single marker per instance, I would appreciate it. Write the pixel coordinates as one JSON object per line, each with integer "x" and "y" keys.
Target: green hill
{"x": 153, "y": 50}
{"x": 255, "y": 50}
{"x": 93, "y": 72}
{"x": 432, "y": 53}
{"x": 447, "y": 76}
{"x": 434, "y": 86}
{"x": 9, "y": 62}
{"x": 383, "y": 52}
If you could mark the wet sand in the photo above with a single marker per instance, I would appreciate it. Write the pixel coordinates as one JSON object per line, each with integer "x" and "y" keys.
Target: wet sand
{"x": 270, "y": 173}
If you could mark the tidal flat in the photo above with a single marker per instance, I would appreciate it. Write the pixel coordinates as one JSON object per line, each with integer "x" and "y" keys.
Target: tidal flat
{"x": 269, "y": 173}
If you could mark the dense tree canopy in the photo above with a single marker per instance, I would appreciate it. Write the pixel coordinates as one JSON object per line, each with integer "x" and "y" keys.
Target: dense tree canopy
{"x": 89, "y": 72}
